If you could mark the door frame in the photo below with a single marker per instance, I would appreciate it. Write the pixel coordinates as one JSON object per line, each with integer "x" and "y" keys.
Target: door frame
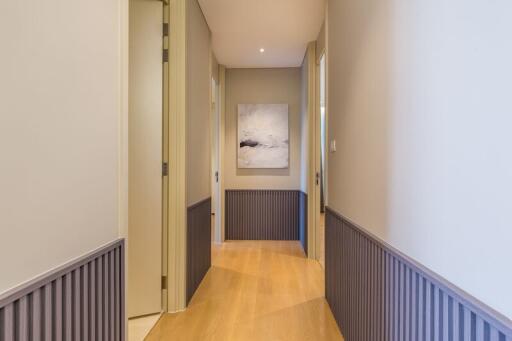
{"x": 176, "y": 227}
{"x": 222, "y": 129}
{"x": 216, "y": 166}
{"x": 165, "y": 160}
{"x": 314, "y": 138}
{"x": 318, "y": 146}
{"x": 311, "y": 167}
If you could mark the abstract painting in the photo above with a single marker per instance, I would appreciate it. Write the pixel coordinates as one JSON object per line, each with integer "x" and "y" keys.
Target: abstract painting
{"x": 263, "y": 136}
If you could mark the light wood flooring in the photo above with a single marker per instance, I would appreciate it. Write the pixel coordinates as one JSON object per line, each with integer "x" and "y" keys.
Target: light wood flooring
{"x": 255, "y": 290}
{"x": 138, "y": 328}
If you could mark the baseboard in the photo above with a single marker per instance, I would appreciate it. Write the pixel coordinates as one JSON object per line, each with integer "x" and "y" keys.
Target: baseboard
{"x": 378, "y": 293}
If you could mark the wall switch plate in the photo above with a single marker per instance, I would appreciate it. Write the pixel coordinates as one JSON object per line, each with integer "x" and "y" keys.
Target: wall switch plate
{"x": 333, "y": 146}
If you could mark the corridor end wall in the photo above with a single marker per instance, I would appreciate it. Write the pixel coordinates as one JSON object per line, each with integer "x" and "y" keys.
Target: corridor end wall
{"x": 281, "y": 186}
{"x": 262, "y": 86}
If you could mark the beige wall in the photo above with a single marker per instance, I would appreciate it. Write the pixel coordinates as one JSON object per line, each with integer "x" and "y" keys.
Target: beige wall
{"x": 198, "y": 105}
{"x": 419, "y": 103}
{"x": 61, "y": 109}
{"x": 304, "y": 121}
{"x": 266, "y": 86}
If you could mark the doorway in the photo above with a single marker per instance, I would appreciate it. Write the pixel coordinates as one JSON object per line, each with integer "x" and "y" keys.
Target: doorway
{"x": 321, "y": 160}
{"x": 146, "y": 159}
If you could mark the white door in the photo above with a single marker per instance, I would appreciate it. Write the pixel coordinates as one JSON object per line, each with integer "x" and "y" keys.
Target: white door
{"x": 145, "y": 159}
{"x": 321, "y": 158}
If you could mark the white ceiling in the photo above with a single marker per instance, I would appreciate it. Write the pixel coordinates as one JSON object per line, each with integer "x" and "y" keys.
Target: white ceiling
{"x": 282, "y": 27}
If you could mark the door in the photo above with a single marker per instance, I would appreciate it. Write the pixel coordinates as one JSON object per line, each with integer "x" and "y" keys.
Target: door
{"x": 145, "y": 159}
{"x": 321, "y": 156}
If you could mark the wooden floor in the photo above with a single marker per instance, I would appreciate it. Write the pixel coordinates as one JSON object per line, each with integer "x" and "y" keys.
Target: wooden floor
{"x": 260, "y": 290}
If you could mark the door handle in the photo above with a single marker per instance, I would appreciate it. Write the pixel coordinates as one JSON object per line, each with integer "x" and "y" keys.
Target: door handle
{"x": 216, "y": 176}
{"x": 317, "y": 178}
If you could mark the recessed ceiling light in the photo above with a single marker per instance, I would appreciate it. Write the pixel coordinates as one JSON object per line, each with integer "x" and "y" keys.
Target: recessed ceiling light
{"x": 262, "y": 50}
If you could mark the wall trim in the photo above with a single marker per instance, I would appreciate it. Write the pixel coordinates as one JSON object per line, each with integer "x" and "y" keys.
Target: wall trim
{"x": 374, "y": 266}
{"x": 177, "y": 210}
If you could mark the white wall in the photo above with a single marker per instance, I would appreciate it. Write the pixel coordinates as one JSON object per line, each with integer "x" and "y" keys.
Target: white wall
{"x": 262, "y": 86}
{"x": 420, "y": 106}
{"x": 60, "y": 116}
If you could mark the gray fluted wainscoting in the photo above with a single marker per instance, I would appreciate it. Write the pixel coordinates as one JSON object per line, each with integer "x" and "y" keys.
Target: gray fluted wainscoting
{"x": 262, "y": 214}
{"x": 83, "y": 300}
{"x": 376, "y": 293}
{"x": 199, "y": 238}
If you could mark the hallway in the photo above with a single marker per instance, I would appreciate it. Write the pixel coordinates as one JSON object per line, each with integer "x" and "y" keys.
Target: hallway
{"x": 255, "y": 290}
{"x": 243, "y": 170}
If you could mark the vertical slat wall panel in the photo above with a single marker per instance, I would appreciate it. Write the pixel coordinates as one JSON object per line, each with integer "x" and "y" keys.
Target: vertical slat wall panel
{"x": 378, "y": 294}
{"x": 117, "y": 296}
{"x": 99, "y": 298}
{"x": 198, "y": 244}
{"x": 67, "y": 303}
{"x": 112, "y": 295}
{"x": 9, "y": 324}
{"x": 23, "y": 318}
{"x": 93, "y": 321}
{"x": 48, "y": 311}
{"x": 76, "y": 304}
{"x": 263, "y": 214}
{"x": 58, "y": 319}
{"x": 37, "y": 315}
{"x": 68, "y": 308}
{"x": 85, "y": 302}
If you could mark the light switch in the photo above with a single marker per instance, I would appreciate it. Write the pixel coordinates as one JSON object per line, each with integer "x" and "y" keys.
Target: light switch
{"x": 333, "y": 146}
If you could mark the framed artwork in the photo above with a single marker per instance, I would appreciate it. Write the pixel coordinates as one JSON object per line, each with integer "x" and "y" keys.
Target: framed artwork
{"x": 263, "y": 136}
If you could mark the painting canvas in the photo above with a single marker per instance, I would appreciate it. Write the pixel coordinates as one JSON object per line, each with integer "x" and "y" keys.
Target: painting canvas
{"x": 263, "y": 136}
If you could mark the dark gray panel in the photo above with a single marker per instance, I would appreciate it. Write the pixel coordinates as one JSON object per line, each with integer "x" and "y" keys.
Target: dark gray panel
{"x": 66, "y": 304}
{"x": 198, "y": 244}
{"x": 262, "y": 215}
{"x": 303, "y": 220}
{"x": 377, "y": 293}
